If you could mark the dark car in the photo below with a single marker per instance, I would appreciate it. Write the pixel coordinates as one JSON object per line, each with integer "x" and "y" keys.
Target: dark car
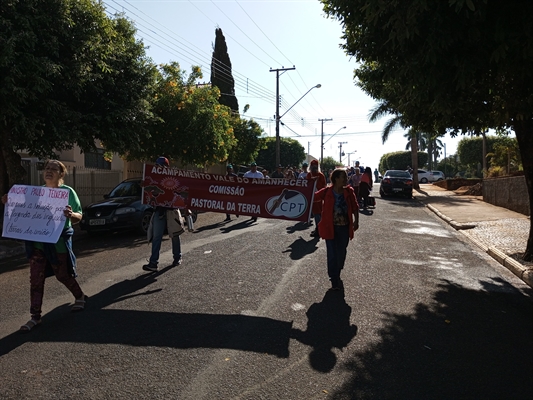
{"x": 396, "y": 183}
{"x": 121, "y": 209}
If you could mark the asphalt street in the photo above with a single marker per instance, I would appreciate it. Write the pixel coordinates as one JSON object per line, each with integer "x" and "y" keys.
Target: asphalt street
{"x": 425, "y": 315}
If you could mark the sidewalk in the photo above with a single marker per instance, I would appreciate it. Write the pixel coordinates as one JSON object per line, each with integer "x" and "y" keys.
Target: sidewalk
{"x": 499, "y": 232}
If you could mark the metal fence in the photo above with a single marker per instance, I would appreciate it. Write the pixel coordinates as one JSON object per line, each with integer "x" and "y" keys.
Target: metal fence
{"x": 91, "y": 184}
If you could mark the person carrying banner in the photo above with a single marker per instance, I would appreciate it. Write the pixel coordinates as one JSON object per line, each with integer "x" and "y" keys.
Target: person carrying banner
{"x": 47, "y": 259}
{"x": 253, "y": 173}
{"x": 229, "y": 172}
{"x": 315, "y": 175}
{"x": 340, "y": 219}
{"x": 157, "y": 229}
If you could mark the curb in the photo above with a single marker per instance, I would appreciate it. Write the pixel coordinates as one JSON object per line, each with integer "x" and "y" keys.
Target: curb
{"x": 456, "y": 225}
{"x": 522, "y": 272}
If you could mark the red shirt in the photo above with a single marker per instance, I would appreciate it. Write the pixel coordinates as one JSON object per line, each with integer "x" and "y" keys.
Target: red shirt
{"x": 326, "y": 196}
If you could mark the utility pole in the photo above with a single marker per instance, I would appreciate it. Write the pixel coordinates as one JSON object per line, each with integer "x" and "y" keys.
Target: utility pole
{"x": 340, "y": 150}
{"x": 278, "y": 161}
{"x": 353, "y": 152}
{"x": 322, "y": 138}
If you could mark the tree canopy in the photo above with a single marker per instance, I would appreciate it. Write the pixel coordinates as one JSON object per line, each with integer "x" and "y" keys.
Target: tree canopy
{"x": 457, "y": 65}
{"x": 292, "y": 153}
{"x": 69, "y": 75}
{"x": 193, "y": 126}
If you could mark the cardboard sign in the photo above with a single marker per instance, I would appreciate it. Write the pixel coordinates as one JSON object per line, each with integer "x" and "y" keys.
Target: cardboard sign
{"x": 35, "y": 213}
{"x": 288, "y": 199}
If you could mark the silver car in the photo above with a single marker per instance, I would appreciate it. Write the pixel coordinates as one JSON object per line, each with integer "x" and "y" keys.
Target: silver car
{"x": 438, "y": 176}
{"x": 424, "y": 176}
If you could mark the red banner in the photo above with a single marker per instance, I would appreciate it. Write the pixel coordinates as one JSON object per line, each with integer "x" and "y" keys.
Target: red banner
{"x": 288, "y": 199}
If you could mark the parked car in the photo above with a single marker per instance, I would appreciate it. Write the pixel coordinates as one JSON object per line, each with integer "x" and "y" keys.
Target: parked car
{"x": 424, "y": 176}
{"x": 396, "y": 182}
{"x": 438, "y": 176}
{"x": 121, "y": 209}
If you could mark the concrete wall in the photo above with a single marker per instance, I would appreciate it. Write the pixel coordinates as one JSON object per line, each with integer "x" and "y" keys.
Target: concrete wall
{"x": 508, "y": 192}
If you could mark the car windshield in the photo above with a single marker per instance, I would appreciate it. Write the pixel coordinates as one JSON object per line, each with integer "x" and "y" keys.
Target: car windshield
{"x": 125, "y": 189}
{"x": 398, "y": 174}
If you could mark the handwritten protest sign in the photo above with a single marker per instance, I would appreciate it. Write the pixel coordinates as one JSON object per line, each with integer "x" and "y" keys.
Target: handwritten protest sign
{"x": 35, "y": 213}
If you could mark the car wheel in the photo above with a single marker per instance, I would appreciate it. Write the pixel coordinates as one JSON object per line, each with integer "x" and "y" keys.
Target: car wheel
{"x": 440, "y": 179}
{"x": 142, "y": 229}
{"x": 424, "y": 180}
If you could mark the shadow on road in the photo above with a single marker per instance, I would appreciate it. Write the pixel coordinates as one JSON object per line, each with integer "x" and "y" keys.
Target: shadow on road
{"x": 328, "y": 327}
{"x": 468, "y": 344}
{"x": 301, "y": 248}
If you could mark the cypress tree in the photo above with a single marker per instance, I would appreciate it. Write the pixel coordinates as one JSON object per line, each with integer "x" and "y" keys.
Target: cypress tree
{"x": 221, "y": 75}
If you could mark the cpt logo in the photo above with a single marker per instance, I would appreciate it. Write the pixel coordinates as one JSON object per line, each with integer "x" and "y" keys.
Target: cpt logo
{"x": 289, "y": 203}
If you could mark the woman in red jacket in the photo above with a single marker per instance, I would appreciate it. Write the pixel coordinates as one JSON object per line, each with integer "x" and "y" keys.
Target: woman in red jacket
{"x": 316, "y": 209}
{"x": 340, "y": 218}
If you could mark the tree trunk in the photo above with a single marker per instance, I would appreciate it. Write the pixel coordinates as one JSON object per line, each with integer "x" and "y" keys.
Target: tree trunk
{"x": 414, "y": 161}
{"x": 484, "y": 154}
{"x": 11, "y": 170}
{"x": 524, "y": 135}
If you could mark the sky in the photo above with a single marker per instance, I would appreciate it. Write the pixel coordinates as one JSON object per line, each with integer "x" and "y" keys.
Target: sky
{"x": 262, "y": 36}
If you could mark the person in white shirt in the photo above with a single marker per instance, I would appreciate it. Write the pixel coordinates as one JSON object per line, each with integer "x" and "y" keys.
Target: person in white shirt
{"x": 303, "y": 174}
{"x": 253, "y": 173}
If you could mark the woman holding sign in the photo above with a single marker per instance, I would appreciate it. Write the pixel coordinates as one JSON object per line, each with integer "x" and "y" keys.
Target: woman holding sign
{"x": 57, "y": 259}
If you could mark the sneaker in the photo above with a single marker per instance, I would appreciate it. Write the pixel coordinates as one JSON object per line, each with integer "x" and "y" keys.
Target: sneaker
{"x": 175, "y": 263}
{"x": 150, "y": 267}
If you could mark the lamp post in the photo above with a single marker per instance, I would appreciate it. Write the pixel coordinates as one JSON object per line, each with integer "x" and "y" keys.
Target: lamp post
{"x": 353, "y": 152}
{"x": 444, "y": 144}
{"x": 340, "y": 151}
{"x": 322, "y": 143}
{"x": 278, "y": 118}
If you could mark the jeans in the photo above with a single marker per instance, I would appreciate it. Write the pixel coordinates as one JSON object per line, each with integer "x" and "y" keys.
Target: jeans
{"x": 317, "y": 217}
{"x": 159, "y": 224}
{"x": 336, "y": 252}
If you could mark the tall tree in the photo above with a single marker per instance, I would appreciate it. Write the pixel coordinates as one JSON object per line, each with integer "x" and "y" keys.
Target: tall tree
{"x": 68, "y": 75}
{"x": 460, "y": 65}
{"x": 221, "y": 75}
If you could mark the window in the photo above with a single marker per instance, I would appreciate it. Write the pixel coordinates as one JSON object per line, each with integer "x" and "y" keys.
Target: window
{"x": 96, "y": 160}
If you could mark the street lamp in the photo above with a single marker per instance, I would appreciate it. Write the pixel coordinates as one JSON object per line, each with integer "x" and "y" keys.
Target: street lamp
{"x": 322, "y": 143}
{"x": 340, "y": 151}
{"x": 278, "y": 118}
{"x": 353, "y": 152}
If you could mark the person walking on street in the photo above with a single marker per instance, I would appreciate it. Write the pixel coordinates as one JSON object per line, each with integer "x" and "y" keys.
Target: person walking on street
{"x": 355, "y": 180}
{"x": 253, "y": 174}
{"x": 376, "y": 176}
{"x": 340, "y": 219}
{"x": 365, "y": 186}
{"x": 47, "y": 259}
{"x": 315, "y": 175}
{"x": 229, "y": 172}
{"x": 158, "y": 227}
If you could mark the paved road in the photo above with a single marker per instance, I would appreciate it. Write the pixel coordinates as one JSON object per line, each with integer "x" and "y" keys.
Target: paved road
{"x": 425, "y": 315}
